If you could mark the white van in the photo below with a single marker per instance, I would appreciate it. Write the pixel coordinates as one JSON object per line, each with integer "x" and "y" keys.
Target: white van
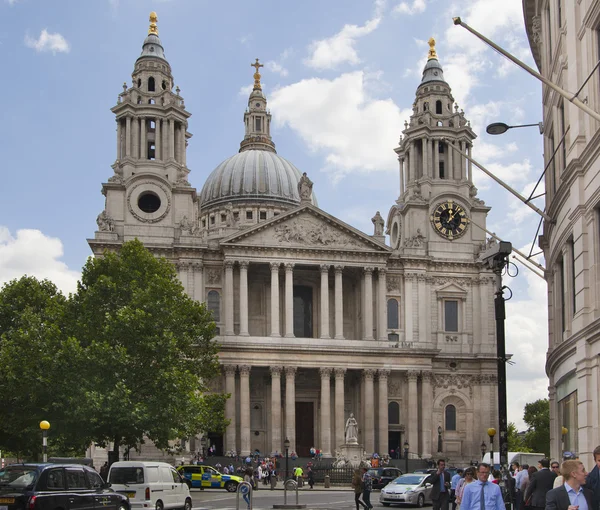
{"x": 154, "y": 485}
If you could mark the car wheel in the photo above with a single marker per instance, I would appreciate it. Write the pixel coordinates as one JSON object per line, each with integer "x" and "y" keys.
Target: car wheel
{"x": 421, "y": 501}
{"x": 231, "y": 486}
{"x": 123, "y": 506}
{"x": 188, "y": 504}
{"x": 159, "y": 505}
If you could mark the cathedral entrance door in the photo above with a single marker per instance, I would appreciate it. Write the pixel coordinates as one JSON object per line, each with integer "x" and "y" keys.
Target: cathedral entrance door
{"x": 305, "y": 432}
{"x": 395, "y": 444}
{"x": 303, "y": 303}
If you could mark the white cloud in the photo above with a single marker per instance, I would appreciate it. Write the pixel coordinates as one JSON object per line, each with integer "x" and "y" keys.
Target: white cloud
{"x": 414, "y": 7}
{"x": 276, "y": 66}
{"x": 34, "y": 254}
{"x": 12, "y": 2}
{"x": 245, "y": 90}
{"x": 55, "y": 43}
{"x": 336, "y": 116}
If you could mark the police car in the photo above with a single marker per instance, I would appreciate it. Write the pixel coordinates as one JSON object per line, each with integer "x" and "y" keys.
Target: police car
{"x": 207, "y": 477}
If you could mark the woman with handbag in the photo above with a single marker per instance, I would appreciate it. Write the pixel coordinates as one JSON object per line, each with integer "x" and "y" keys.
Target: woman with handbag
{"x": 357, "y": 484}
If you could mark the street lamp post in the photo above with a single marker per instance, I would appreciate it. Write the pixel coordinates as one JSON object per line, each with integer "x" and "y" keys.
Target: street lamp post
{"x": 406, "y": 446}
{"x": 440, "y": 439}
{"x": 203, "y": 444}
{"x": 286, "y": 444}
{"x": 44, "y": 425}
{"x": 563, "y": 432}
{"x": 499, "y": 128}
{"x": 483, "y": 450}
{"x": 491, "y": 432}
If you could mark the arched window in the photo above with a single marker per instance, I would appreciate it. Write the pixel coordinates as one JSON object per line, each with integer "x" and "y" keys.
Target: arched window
{"x": 450, "y": 417}
{"x": 139, "y": 82}
{"x": 151, "y": 84}
{"x": 214, "y": 305}
{"x": 393, "y": 413}
{"x": 438, "y": 107}
{"x": 164, "y": 85}
{"x": 392, "y": 313}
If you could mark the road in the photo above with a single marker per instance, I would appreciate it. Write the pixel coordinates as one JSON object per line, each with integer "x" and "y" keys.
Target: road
{"x": 336, "y": 499}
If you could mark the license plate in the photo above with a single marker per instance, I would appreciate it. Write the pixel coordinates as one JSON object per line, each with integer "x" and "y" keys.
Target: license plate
{"x": 7, "y": 501}
{"x": 131, "y": 495}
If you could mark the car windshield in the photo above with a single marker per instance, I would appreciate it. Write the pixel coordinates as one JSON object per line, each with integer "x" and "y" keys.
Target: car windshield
{"x": 17, "y": 476}
{"x": 408, "y": 480}
{"x": 126, "y": 475}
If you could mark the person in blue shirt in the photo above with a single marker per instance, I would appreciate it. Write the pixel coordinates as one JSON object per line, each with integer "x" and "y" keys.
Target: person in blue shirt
{"x": 453, "y": 483}
{"x": 572, "y": 495}
{"x": 482, "y": 495}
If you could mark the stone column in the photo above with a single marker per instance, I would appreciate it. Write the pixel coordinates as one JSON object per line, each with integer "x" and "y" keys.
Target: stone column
{"x": 382, "y": 445}
{"x": 410, "y": 169}
{"x": 171, "y": 138}
{"x": 408, "y": 306}
{"x": 462, "y": 161}
{"x": 230, "y": 431}
{"x": 368, "y": 304}
{"x": 427, "y": 407}
{"x": 199, "y": 282}
{"x": 276, "y": 441}
{"x": 182, "y": 143}
{"x": 229, "y": 297}
{"x": 435, "y": 171}
{"x": 369, "y": 415}
{"x": 289, "y": 300}
{"x": 412, "y": 429}
{"x": 157, "y": 140}
{"x": 340, "y": 424}
{"x": 290, "y": 406}
{"x": 143, "y": 139}
{"x": 401, "y": 161}
{"x": 275, "y": 299}
{"x": 325, "y": 411}
{"x": 119, "y": 136}
{"x": 381, "y": 304}
{"x": 244, "y": 298}
{"x": 165, "y": 140}
{"x": 324, "y": 301}
{"x": 425, "y": 158}
{"x": 470, "y": 165}
{"x": 135, "y": 141}
{"x": 339, "y": 304}
{"x": 128, "y": 135}
{"x": 245, "y": 409}
{"x": 450, "y": 169}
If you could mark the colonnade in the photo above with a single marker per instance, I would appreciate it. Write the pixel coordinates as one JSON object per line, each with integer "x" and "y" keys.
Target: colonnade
{"x": 135, "y": 134}
{"x": 282, "y": 427}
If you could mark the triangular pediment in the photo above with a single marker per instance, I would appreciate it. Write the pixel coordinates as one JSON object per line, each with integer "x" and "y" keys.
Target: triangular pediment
{"x": 306, "y": 227}
{"x": 451, "y": 288}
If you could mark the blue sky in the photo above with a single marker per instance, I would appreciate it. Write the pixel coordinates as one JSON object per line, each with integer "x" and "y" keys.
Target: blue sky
{"x": 340, "y": 77}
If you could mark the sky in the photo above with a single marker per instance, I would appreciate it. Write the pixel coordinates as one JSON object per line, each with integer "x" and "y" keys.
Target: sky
{"x": 340, "y": 78}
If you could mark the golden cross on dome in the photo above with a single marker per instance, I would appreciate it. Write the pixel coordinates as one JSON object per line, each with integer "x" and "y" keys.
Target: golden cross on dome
{"x": 257, "y": 66}
{"x": 153, "y": 27}
{"x": 432, "y": 52}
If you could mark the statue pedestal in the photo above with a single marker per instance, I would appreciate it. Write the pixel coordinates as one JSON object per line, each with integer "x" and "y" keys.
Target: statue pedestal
{"x": 353, "y": 452}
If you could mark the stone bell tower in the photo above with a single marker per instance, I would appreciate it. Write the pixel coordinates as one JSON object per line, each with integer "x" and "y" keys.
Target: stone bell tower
{"x": 150, "y": 171}
{"x": 437, "y": 195}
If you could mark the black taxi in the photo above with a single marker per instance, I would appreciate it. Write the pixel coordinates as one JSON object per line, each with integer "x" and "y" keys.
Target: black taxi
{"x": 56, "y": 486}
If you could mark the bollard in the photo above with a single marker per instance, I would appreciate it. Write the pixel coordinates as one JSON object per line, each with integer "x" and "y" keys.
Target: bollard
{"x": 243, "y": 488}
{"x": 326, "y": 483}
{"x": 273, "y": 481}
{"x": 294, "y": 485}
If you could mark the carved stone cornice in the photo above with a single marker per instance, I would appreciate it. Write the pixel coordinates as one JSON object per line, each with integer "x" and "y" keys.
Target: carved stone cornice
{"x": 393, "y": 282}
{"x": 245, "y": 370}
{"x": 340, "y": 373}
{"x": 325, "y": 372}
{"x": 213, "y": 277}
{"x": 275, "y": 370}
{"x": 427, "y": 376}
{"x": 290, "y": 372}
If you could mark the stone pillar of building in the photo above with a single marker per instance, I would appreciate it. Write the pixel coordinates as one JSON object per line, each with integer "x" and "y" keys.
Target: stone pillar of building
{"x": 165, "y": 140}
{"x": 135, "y": 141}
{"x": 435, "y": 172}
{"x": 199, "y": 282}
{"x": 290, "y": 406}
{"x": 276, "y": 441}
{"x": 450, "y": 169}
{"x": 470, "y": 165}
{"x": 245, "y": 410}
{"x": 401, "y": 161}
{"x": 158, "y": 154}
{"x": 382, "y": 304}
{"x": 230, "y": 439}
{"x": 171, "y": 138}
{"x": 275, "y": 299}
{"x": 325, "y": 411}
{"x": 324, "y": 301}
{"x": 412, "y": 429}
{"x": 368, "y": 304}
{"x": 382, "y": 443}
{"x": 182, "y": 143}
{"x": 143, "y": 138}
{"x": 463, "y": 149}
{"x": 369, "y": 415}
{"x": 229, "y": 297}
{"x": 119, "y": 138}
{"x": 340, "y": 424}
{"x": 289, "y": 300}
{"x": 128, "y": 137}
{"x": 244, "y": 298}
{"x": 424, "y": 321}
{"x": 408, "y": 306}
{"x": 427, "y": 407}
{"x": 339, "y": 304}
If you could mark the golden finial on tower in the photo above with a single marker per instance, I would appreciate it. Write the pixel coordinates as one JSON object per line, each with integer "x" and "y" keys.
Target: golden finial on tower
{"x": 432, "y": 52}
{"x": 153, "y": 21}
{"x": 257, "y": 66}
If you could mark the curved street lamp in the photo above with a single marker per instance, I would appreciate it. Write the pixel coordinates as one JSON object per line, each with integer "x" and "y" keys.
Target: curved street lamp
{"x": 499, "y": 128}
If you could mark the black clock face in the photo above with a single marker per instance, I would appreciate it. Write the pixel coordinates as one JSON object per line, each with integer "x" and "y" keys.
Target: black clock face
{"x": 449, "y": 220}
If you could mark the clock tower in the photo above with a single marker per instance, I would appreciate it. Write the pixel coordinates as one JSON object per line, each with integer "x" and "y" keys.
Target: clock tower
{"x": 437, "y": 212}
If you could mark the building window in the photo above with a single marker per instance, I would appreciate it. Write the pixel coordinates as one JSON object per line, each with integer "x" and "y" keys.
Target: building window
{"x": 450, "y": 315}
{"x": 438, "y": 107}
{"x": 450, "y": 413}
{"x": 263, "y": 215}
{"x": 204, "y": 223}
{"x": 392, "y": 313}
{"x": 213, "y": 304}
{"x": 393, "y": 413}
{"x": 212, "y": 220}
{"x": 151, "y": 84}
{"x": 223, "y": 218}
{"x": 248, "y": 215}
{"x": 442, "y": 171}
{"x": 258, "y": 124}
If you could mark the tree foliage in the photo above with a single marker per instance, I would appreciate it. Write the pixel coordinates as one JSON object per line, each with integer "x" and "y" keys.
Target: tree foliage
{"x": 537, "y": 418}
{"x": 128, "y": 356}
{"x": 516, "y": 443}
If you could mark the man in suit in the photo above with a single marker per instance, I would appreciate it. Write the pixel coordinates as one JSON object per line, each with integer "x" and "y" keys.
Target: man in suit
{"x": 593, "y": 479}
{"x": 540, "y": 483}
{"x": 571, "y": 496}
{"x": 440, "y": 492}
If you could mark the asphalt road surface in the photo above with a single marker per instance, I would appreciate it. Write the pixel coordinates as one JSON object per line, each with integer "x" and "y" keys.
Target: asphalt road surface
{"x": 265, "y": 499}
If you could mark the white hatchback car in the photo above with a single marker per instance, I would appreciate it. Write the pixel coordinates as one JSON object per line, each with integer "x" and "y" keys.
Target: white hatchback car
{"x": 409, "y": 489}
{"x": 150, "y": 485}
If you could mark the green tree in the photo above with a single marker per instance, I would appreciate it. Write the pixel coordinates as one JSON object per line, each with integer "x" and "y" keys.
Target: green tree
{"x": 537, "y": 418}
{"x": 149, "y": 351}
{"x": 38, "y": 367}
{"x": 516, "y": 443}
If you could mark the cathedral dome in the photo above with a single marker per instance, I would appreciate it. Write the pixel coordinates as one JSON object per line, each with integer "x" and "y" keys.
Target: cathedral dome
{"x": 252, "y": 175}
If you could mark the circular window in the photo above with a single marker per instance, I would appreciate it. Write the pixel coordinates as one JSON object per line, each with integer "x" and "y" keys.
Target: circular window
{"x": 149, "y": 202}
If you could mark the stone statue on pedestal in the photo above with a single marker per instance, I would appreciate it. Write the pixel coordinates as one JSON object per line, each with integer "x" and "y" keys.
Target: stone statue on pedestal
{"x": 351, "y": 430}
